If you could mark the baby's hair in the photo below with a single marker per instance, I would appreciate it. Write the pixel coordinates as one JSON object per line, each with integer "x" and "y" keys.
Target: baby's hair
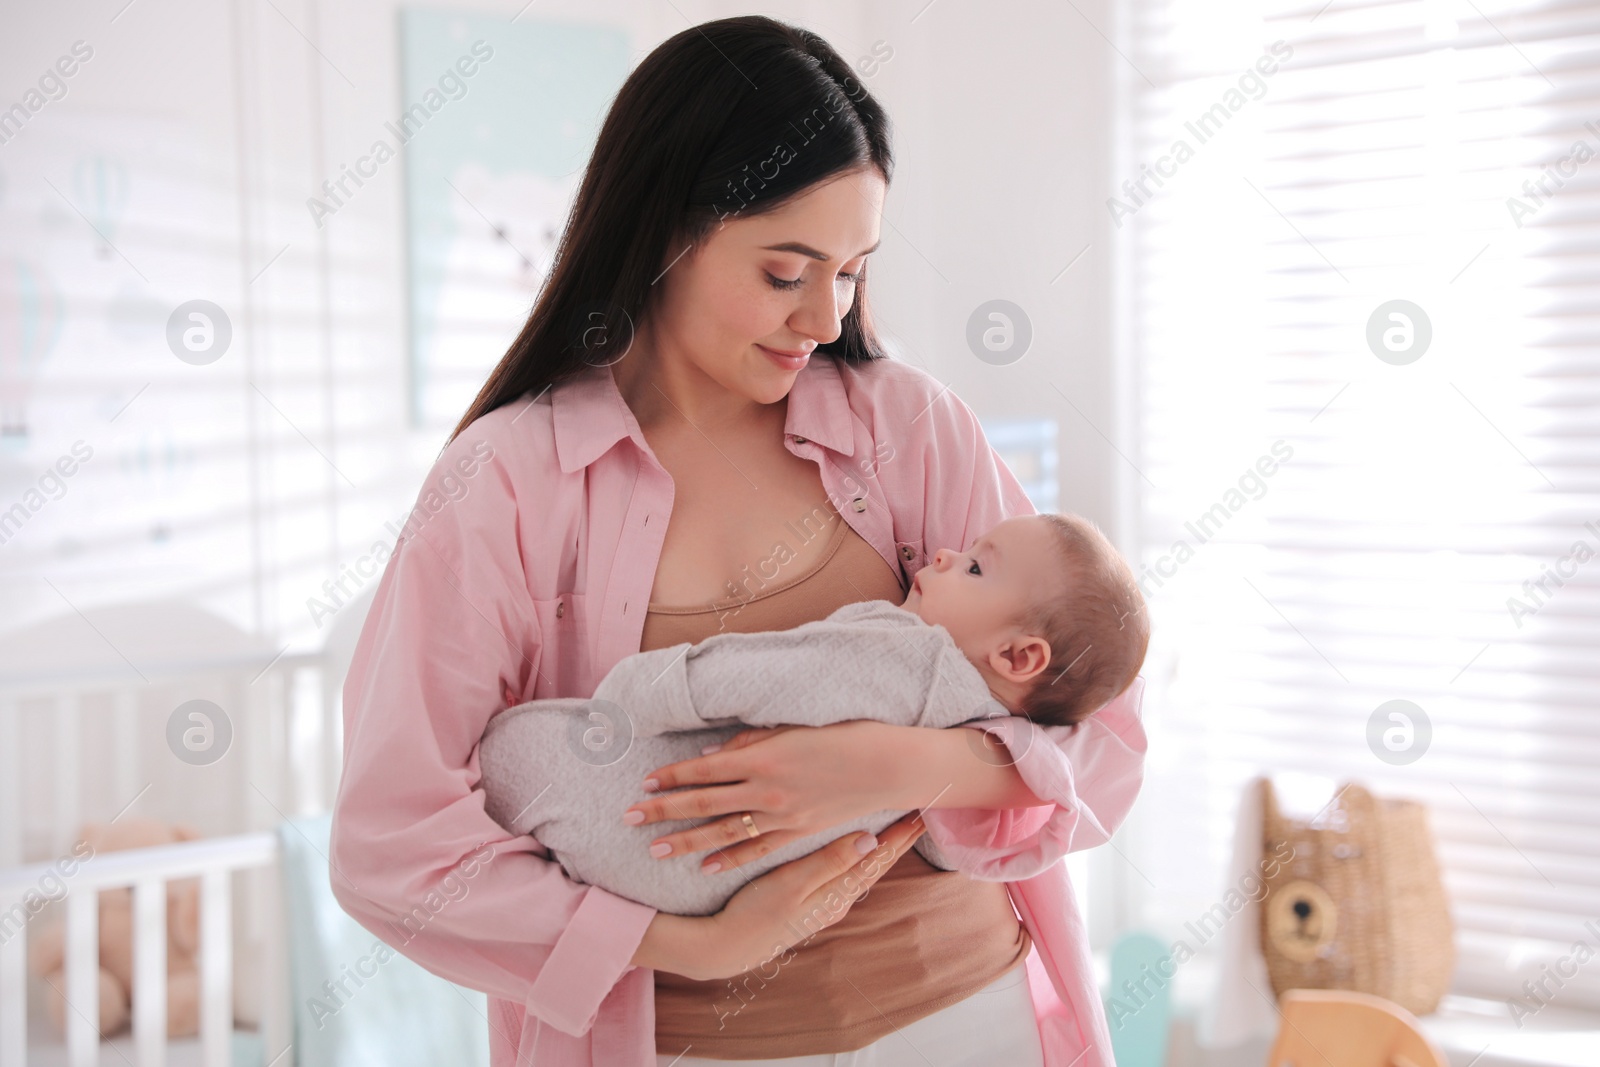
{"x": 1098, "y": 630}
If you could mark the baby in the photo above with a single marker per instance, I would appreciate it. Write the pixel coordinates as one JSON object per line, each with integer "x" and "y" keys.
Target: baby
{"x": 1040, "y": 618}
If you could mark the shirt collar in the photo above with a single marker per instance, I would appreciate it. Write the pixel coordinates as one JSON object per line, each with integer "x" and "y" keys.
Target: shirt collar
{"x": 590, "y": 415}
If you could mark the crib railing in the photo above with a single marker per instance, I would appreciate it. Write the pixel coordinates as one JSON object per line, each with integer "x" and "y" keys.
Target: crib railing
{"x": 94, "y": 747}
{"x": 147, "y": 871}
{"x": 87, "y": 703}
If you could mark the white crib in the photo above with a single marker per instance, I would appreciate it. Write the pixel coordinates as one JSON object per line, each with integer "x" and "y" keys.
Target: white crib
{"x": 85, "y": 706}
{"x": 147, "y": 871}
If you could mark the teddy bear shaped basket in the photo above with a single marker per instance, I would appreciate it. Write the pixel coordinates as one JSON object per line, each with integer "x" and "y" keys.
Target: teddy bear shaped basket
{"x": 1360, "y": 904}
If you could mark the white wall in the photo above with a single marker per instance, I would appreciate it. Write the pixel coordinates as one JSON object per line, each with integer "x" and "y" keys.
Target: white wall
{"x": 1002, "y": 133}
{"x": 1002, "y": 115}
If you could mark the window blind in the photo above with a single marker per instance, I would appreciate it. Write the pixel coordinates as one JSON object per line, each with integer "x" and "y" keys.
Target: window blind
{"x": 1361, "y": 245}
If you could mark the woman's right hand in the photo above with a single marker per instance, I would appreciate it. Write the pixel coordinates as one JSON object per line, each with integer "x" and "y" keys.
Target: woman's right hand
{"x": 783, "y": 906}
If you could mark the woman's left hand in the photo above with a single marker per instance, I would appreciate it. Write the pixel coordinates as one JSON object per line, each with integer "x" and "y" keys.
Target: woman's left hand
{"x": 794, "y": 781}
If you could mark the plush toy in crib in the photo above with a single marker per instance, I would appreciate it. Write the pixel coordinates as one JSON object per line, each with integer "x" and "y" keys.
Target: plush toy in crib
{"x": 47, "y": 950}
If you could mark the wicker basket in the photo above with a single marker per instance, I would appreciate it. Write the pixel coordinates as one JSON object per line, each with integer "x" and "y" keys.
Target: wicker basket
{"x": 1360, "y": 905}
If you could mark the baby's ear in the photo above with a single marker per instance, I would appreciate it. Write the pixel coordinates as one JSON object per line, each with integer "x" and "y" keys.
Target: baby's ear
{"x": 1023, "y": 658}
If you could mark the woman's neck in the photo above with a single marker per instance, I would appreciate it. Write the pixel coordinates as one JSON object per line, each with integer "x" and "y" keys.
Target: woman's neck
{"x": 667, "y": 392}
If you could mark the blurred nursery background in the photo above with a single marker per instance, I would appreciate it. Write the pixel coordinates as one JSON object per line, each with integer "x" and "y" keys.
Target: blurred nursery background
{"x": 1296, "y": 300}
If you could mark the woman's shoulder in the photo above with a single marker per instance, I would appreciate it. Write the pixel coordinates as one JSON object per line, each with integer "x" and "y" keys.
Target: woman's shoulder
{"x": 518, "y": 437}
{"x": 527, "y": 421}
{"x": 484, "y": 473}
{"x": 944, "y": 482}
{"x": 887, "y": 381}
{"x": 906, "y": 402}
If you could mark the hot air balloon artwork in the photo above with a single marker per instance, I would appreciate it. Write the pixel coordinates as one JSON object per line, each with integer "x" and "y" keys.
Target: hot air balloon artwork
{"x": 30, "y": 325}
{"x": 101, "y": 187}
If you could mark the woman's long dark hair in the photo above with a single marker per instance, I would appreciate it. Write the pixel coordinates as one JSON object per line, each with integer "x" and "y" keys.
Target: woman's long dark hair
{"x": 692, "y": 138}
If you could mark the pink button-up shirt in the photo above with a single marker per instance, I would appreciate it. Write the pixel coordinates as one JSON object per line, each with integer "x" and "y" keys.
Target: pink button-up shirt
{"x": 524, "y": 572}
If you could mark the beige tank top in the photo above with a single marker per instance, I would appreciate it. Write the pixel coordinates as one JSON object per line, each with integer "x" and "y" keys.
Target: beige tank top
{"x": 920, "y": 940}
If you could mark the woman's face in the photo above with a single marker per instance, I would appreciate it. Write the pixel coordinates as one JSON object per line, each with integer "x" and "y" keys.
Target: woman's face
{"x": 746, "y": 306}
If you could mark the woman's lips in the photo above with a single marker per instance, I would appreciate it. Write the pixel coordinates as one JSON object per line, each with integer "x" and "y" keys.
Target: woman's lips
{"x": 786, "y": 360}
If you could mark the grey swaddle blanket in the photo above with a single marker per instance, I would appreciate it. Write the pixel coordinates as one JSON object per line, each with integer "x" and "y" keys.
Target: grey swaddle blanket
{"x": 564, "y": 769}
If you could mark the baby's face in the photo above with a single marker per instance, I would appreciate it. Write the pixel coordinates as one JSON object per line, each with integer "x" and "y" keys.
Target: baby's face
{"x": 977, "y": 594}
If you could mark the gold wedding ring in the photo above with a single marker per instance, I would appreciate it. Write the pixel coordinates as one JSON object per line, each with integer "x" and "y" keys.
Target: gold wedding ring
{"x": 750, "y": 824}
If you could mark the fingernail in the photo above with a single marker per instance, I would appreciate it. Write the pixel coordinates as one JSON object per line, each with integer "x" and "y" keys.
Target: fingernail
{"x": 710, "y": 749}
{"x": 866, "y": 844}
{"x": 651, "y": 785}
{"x": 659, "y": 849}
{"x": 713, "y": 867}
{"x": 633, "y": 818}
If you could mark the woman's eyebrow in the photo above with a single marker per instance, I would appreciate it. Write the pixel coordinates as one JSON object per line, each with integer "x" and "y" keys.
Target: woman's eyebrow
{"x": 807, "y": 250}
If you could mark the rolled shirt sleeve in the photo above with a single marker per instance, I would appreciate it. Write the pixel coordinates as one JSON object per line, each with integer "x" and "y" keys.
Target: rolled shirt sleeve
{"x": 414, "y": 857}
{"x": 1091, "y": 774}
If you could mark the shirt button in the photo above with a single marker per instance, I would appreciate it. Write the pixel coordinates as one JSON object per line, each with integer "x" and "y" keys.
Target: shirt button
{"x": 859, "y": 504}
{"x": 561, "y": 608}
{"x": 906, "y": 553}
{"x": 799, "y": 440}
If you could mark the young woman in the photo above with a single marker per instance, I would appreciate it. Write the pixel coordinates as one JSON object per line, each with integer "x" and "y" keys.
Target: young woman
{"x": 696, "y": 431}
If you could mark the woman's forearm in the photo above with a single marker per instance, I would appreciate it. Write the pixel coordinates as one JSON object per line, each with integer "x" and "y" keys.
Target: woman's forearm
{"x": 957, "y": 768}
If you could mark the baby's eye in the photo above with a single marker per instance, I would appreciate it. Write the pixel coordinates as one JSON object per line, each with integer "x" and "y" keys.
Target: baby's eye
{"x": 974, "y": 568}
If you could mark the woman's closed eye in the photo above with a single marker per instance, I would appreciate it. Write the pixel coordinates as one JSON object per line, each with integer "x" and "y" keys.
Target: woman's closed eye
{"x": 795, "y": 283}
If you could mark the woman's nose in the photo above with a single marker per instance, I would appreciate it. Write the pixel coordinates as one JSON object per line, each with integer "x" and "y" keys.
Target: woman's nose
{"x": 819, "y": 318}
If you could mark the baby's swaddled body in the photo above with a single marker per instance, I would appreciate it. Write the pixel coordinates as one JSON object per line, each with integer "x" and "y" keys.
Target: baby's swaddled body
{"x": 564, "y": 770}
